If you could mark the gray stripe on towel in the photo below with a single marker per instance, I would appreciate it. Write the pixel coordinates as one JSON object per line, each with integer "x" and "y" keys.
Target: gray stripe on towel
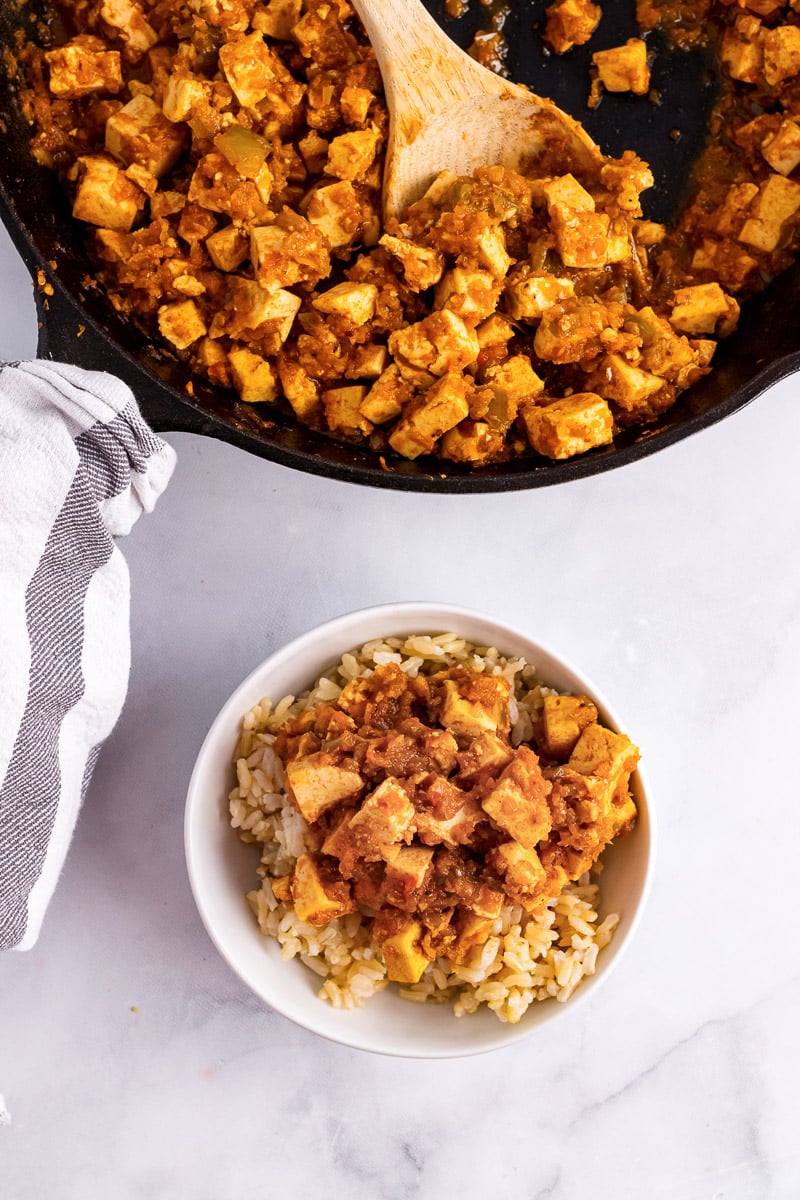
{"x": 79, "y": 544}
{"x": 109, "y": 452}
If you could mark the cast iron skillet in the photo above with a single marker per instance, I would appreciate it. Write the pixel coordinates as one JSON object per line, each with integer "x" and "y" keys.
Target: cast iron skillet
{"x": 78, "y": 325}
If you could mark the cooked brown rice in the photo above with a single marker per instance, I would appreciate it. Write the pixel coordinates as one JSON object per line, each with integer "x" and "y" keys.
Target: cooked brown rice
{"x": 525, "y": 959}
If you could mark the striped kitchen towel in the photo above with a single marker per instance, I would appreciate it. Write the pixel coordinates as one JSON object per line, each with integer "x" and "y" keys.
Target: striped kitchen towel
{"x": 77, "y": 466}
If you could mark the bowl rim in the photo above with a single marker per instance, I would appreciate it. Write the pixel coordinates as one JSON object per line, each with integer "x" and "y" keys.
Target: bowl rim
{"x": 396, "y": 619}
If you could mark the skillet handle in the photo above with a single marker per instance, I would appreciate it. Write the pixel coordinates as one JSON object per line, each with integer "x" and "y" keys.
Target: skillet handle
{"x": 65, "y": 335}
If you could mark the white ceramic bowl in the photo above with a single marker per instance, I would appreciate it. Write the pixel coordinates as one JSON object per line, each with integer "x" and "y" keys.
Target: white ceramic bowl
{"x": 222, "y": 868}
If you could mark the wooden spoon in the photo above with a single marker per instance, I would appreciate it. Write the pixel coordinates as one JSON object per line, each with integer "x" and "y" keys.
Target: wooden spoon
{"x": 447, "y": 112}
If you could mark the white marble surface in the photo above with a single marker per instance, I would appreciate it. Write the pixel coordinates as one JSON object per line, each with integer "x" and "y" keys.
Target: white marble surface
{"x": 134, "y": 1064}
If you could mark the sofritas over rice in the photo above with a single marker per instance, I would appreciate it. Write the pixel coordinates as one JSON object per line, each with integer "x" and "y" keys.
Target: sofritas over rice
{"x": 429, "y": 814}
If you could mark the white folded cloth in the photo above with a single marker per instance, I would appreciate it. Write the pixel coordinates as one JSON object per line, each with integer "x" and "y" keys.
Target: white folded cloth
{"x": 78, "y": 464}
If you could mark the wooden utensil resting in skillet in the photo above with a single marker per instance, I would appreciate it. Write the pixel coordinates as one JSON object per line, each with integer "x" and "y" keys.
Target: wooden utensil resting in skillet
{"x": 447, "y": 112}
{"x": 765, "y": 348}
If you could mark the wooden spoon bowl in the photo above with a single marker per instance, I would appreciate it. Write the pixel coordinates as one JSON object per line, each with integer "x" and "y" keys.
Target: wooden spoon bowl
{"x": 447, "y": 112}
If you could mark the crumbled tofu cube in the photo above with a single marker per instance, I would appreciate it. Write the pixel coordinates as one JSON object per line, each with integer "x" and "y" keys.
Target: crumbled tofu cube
{"x": 627, "y": 385}
{"x": 733, "y": 211}
{"x": 314, "y": 151}
{"x": 470, "y": 293}
{"x": 128, "y": 21}
{"x": 619, "y": 248}
{"x": 705, "y": 349}
{"x": 387, "y": 397}
{"x": 582, "y": 238}
{"x": 663, "y": 351}
{"x": 228, "y": 248}
{"x": 514, "y": 380}
{"x": 564, "y": 191}
{"x": 375, "y": 699}
{"x": 440, "y": 343}
{"x": 299, "y": 388}
{"x": 582, "y": 234}
{"x": 781, "y": 54}
{"x": 188, "y": 284}
{"x": 704, "y": 308}
{"x": 517, "y": 802}
{"x": 494, "y": 331}
{"x": 288, "y": 252}
{"x": 114, "y": 247}
{"x": 472, "y": 705}
{"x": 649, "y": 233}
{"x": 250, "y": 67}
{"x": 577, "y": 329}
{"x": 320, "y": 40}
{"x": 569, "y": 426}
{"x": 486, "y": 753}
{"x": 605, "y": 755}
{"x": 140, "y": 133}
{"x": 318, "y": 784}
{"x": 335, "y": 211}
{"x": 751, "y": 134}
{"x": 356, "y": 301}
{"x": 341, "y": 843}
{"x": 456, "y": 830}
{"x": 142, "y": 178}
{"x": 610, "y": 758}
{"x": 733, "y": 267}
{"x": 528, "y": 295}
{"x": 343, "y": 410}
{"x": 253, "y": 377}
{"x": 472, "y": 929}
{"x": 83, "y": 66}
{"x": 282, "y": 888}
{"x": 316, "y": 900}
{"x": 742, "y": 51}
{"x": 407, "y": 868}
{"x": 586, "y": 795}
{"x": 214, "y": 360}
{"x": 257, "y": 308}
{"x": 471, "y": 442}
{"x": 277, "y": 18}
{"x": 490, "y": 251}
{"x": 430, "y": 415}
{"x": 521, "y": 870}
{"x": 767, "y": 8}
{"x": 384, "y": 819}
{"x": 625, "y": 813}
{"x": 105, "y": 197}
{"x": 570, "y": 23}
{"x": 777, "y": 202}
{"x": 181, "y": 323}
{"x": 351, "y": 155}
{"x": 195, "y": 224}
{"x": 183, "y": 95}
{"x": 423, "y": 266}
{"x": 624, "y": 68}
{"x": 400, "y": 946}
{"x": 355, "y": 103}
{"x": 369, "y": 361}
{"x": 562, "y": 722}
{"x": 626, "y": 178}
{"x": 782, "y": 149}
{"x": 217, "y": 185}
